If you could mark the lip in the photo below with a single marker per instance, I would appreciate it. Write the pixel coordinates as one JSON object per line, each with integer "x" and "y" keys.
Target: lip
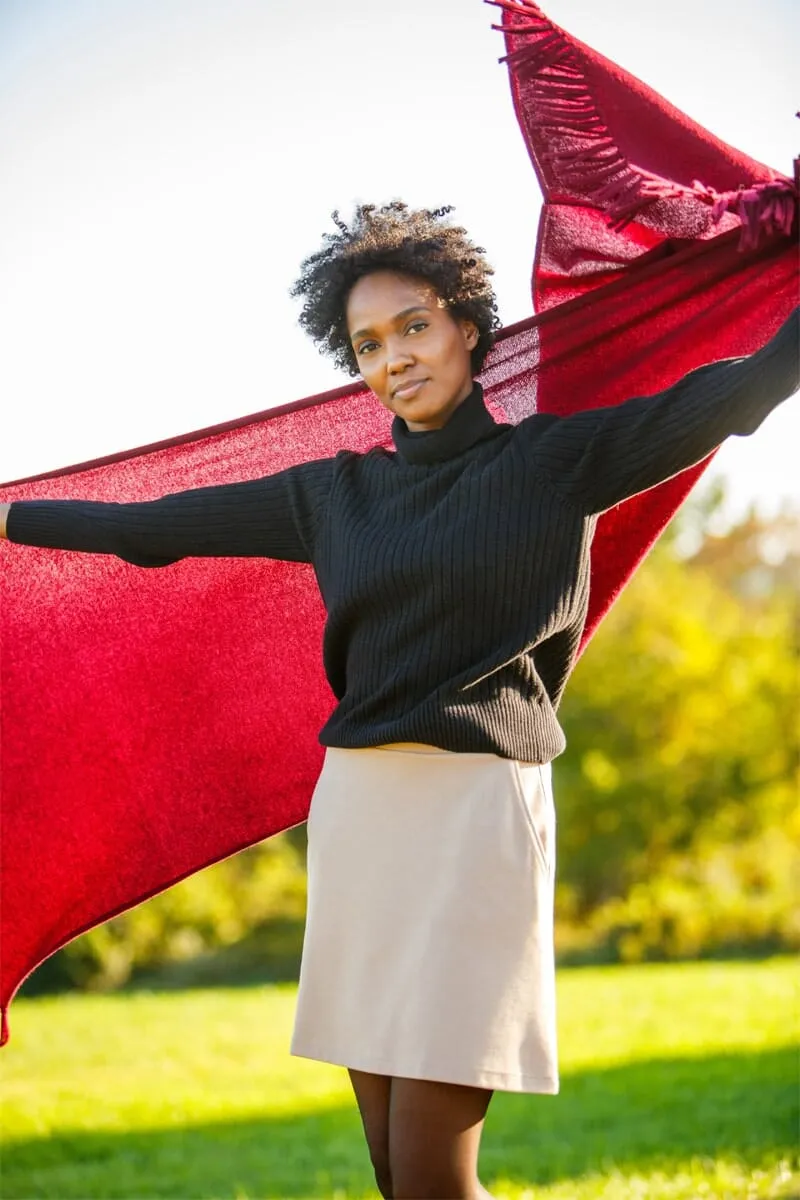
{"x": 408, "y": 389}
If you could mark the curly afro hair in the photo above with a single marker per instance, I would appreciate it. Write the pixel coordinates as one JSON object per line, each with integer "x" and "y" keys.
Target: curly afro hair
{"x": 394, "y": 237}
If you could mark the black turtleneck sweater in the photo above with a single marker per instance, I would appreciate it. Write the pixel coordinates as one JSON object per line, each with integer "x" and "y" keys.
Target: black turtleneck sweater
{"x": 455, "y": 571}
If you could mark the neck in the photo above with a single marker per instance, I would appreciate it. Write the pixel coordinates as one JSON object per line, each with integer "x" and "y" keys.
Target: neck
{"x": 445, "y": 415}
{"x": 470, "y": 422}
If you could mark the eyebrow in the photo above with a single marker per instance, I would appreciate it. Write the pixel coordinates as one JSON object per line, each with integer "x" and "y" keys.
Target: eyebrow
{"x": 397, "y": 317}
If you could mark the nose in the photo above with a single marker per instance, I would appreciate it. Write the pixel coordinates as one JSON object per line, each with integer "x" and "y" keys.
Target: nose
{"x": 398, "y": 357}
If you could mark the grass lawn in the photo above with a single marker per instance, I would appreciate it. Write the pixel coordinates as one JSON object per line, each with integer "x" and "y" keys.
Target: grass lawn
{"x": 678, "y": 1083}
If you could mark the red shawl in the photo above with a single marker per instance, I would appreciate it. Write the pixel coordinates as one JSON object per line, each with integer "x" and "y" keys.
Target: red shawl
{"x": 157, "y": 721}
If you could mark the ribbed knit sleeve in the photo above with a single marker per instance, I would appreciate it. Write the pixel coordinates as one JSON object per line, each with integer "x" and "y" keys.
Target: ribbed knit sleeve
{"x": 600, "y": 457}
{"x": 273, "y": 517}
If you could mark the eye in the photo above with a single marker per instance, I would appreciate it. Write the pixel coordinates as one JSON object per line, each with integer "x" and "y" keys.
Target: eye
{"x": 417, "y": 325}
{"x": 365, "y": 347}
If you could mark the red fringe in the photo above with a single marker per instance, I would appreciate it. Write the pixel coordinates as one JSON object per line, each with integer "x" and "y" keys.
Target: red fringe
{"x": 593, "y": 166}
{"x": 768, "y": 207}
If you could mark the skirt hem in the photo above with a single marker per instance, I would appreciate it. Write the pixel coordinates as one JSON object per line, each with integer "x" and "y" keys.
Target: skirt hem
{"x": 498, "y": 1081}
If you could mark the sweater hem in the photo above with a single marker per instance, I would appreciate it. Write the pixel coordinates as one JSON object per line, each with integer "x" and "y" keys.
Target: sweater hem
{"x": 531, "y": 751}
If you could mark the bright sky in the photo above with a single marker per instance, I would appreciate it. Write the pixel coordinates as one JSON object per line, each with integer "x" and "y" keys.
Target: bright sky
{"x": 167, "y": 164}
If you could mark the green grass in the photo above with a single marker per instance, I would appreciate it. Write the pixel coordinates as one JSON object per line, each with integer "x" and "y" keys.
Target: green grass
{"x": 678, "y": 1083}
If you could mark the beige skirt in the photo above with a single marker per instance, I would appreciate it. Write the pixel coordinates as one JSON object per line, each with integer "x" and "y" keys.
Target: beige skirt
{"x": 428, "y": 950}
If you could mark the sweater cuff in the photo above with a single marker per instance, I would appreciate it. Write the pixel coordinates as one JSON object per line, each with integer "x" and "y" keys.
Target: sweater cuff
{"x": 30, "y": 523}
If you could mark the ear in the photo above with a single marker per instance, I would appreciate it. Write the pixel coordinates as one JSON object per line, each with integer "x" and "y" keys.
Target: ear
{"x": 471, "y": 334}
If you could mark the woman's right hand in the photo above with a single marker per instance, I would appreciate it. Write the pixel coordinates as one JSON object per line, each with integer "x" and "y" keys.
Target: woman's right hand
{"x": 3, "y": 514}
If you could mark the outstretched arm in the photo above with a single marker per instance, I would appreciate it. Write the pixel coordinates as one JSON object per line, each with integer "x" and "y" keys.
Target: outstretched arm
{"x": 599, "y": 457}
{"x": 273, "y": 517}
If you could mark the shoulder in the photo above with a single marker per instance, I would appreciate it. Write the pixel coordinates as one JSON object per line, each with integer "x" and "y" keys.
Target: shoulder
{"x": 536, "y": 425}
{"x": 347, "y": 462}
{"x": 530, "y": 434}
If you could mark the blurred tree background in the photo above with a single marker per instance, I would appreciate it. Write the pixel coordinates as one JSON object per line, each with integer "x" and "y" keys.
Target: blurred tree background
{"x": 679, "y": 827}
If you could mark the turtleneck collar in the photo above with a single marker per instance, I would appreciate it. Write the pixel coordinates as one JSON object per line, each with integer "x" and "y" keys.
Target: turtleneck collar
{"x": 470, "y": 423}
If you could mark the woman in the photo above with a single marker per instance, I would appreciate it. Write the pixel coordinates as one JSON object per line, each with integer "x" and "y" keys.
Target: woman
{"x": 455, "y": 573}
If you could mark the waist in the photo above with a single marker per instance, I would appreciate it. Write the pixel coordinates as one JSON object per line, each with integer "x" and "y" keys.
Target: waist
{"x": 414, "y": 748}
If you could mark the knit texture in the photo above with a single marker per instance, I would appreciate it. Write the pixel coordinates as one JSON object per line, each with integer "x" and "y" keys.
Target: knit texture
{"x": 455, "y": 571}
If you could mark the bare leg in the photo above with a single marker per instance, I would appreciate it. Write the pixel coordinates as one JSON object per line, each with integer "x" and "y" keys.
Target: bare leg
{"x": 373, "y": 1093}
{"x": 434, "y": 1137}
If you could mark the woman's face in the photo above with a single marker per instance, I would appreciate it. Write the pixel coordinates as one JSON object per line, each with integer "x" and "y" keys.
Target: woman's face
{"x": 411, "y": 351}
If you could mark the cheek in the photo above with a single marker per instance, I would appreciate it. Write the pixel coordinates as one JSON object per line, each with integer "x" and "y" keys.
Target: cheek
{"x": 458, "y": 354}
{"x": 368, "y": 370}
{"x": 442, "y": 351}
{"x": 373, "y": 377}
